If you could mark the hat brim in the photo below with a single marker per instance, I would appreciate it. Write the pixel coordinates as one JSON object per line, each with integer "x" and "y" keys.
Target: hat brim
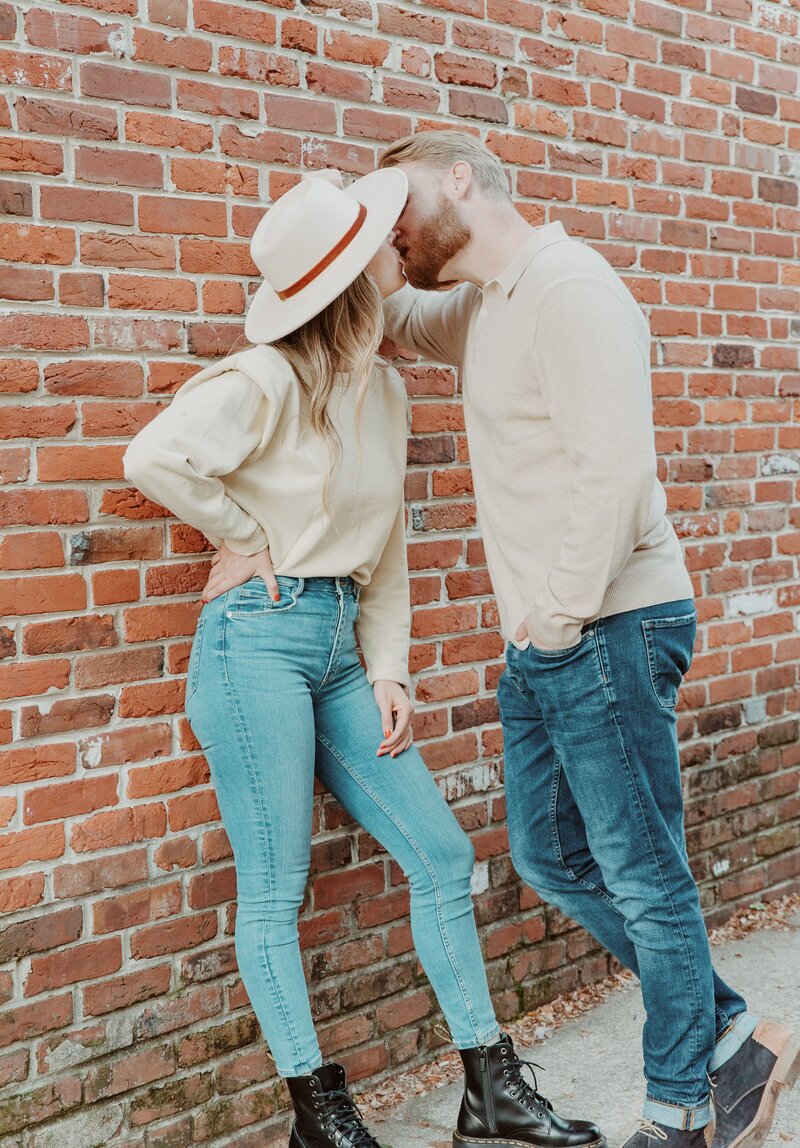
{"x": 384, "y": 195}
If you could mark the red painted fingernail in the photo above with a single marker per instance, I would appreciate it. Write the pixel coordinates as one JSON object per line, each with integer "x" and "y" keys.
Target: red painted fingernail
{"x": 386, "y": 732}
{"x": 276, "y": 597}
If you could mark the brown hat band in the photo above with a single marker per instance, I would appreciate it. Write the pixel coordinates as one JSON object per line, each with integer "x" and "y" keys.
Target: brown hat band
{"x": 326, "y": 261}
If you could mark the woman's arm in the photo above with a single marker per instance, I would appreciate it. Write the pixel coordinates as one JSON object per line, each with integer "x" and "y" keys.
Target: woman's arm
{"x": 178, "y": 458}
{"x": 383, "y": 630}
{"x": 384, "y": 624}
{"x": 432, "y": 323}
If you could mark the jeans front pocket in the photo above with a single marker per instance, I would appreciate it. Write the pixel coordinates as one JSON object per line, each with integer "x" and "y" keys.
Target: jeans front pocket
{"x": 669, "y": 643}
{"x": 586, "y": 632}
{"x": 253, "y": 598}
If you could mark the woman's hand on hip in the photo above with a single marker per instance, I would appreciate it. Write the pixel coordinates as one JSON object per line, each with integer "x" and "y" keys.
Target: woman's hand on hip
{"x": 229, "y": 569}
{"x": 396, "y": 714}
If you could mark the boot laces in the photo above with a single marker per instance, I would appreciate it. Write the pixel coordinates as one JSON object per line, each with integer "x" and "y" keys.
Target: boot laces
{"x": 346, "y": 1118}
{"x": 525, "y": 1094}
{"x": 651, "y": 1130}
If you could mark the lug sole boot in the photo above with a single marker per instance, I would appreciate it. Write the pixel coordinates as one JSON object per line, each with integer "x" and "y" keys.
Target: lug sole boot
{"x": 500, "y": 1108}
{"x": 326, "y": 1116}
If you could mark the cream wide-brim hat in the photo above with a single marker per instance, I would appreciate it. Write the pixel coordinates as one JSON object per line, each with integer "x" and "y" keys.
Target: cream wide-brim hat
{"x": 314, "y": 242}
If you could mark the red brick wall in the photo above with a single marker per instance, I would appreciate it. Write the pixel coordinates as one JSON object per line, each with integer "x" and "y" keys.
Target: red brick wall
{"x": 141, "y": 139}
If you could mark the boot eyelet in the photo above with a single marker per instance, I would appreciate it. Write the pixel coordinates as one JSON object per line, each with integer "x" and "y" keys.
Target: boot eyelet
{"x": 540, "y": 1115}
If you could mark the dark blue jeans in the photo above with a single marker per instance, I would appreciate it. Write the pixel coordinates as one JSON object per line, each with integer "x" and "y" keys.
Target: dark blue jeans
{"x": 595, "y": 819}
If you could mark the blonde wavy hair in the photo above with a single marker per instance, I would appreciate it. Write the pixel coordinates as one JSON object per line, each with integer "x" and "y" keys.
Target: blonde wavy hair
{"x": 342, "y": 339}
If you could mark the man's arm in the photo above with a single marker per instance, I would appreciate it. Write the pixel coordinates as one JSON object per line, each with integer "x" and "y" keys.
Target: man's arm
{"x": 595, "y": 378}
{"x": 432, "y": 323}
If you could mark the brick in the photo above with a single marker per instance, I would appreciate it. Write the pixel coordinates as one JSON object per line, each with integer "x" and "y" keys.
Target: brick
{"x": 98, "y": 377}
{"x": 40, "y": 595}
{"x": 214, "y": 100}
{"x": 86, "y": 877}
{"x": 163, "y": 132}
{"x": 125, "y": 168}
{"x": 26, "y": 285}
{"x": 250, "y": 25}
{"x": 344, "y": 46}
{"x": 18, "y": 766}
{"x": 145, "y": 293}
{"x": 32, "y": 550}
{"x": 30, "y": 1108}
{"x": 260, "y": 67}
{"x": 19, "y": 154}
{"x": 85, "y": 632}
{"x": 119, "y": 827}
{"x": 182, "y": 216}
{"x": 73, "y": 34}
{"x": 117, "y": 913}
{"x": 78, "y": 963}
{"x": 32, "y": 1020}
{"x": 173, "y": 936}
{"x": 35, "y": 70}
{"x": 189, "y": 53}
{"x": 132, "y": 1071}
{"x": 38, "y": 934}
{"x": 21, "y": 892}
{"x": 51, "y": 802}
{"x": 129, "y": 989}
{"x": 26, "y": 680}
{"x": 126, "y": 85}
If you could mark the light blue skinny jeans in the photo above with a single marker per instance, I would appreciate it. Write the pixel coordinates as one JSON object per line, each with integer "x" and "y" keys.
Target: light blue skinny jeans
{"x": 276, "y": 694}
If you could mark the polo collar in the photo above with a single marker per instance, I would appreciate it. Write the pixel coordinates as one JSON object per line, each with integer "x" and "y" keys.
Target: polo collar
{"x": 544, "y": 236}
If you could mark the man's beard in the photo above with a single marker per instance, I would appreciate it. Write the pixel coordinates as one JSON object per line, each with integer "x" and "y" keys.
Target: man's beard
{"x": 438, "y": 239}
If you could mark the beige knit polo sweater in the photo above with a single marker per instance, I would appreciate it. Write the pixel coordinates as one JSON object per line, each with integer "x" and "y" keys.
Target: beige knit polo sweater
{"x": 555, "y": 367}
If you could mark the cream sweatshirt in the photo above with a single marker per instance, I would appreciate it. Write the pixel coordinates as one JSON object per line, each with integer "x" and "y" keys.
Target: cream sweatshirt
{"x": 235, "y": 456}
{"x": 555, "y": 369}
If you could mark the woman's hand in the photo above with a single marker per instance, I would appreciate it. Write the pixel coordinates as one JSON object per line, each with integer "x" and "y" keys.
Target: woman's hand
{"x": 332, "y": 174}
{"x": 386, "y": 269}
{"x": 229, "y": 569}
{"x": 396, "y": 713}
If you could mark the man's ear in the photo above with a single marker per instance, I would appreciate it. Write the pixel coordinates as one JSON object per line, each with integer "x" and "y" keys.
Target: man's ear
{"x": 461, "y": 175}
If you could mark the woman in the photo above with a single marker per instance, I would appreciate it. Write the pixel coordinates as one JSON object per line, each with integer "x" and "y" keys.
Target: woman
{"x": 290, "y": 457}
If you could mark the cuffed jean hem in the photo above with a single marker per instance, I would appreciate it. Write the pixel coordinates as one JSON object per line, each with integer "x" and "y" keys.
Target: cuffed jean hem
{"x": 686, "y": 1117}
{"x": 479, "y": 1041}
{"x": 741, "y": 1027}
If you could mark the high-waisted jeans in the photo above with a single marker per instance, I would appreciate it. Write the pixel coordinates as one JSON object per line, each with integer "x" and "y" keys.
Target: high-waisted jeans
{"x": 276, "y": 694}
{"x": 595, "y": 820}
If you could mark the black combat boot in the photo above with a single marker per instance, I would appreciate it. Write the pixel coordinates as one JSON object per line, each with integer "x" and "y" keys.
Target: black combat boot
{"x": 326, "y": 1116}
{"x": 502, "y": 1109}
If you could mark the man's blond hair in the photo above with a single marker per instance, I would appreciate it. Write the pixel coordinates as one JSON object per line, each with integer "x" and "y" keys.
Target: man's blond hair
{"x": 441, "y": 149}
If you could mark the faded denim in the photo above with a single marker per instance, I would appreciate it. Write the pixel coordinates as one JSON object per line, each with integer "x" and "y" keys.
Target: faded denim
{"x": 276, "y": 694}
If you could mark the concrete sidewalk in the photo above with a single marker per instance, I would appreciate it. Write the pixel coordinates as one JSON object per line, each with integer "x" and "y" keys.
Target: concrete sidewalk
{"x": 594, "y": 1064}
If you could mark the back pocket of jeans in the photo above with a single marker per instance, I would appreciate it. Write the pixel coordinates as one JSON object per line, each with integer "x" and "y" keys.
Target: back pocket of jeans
{"x": 669, "y": 643}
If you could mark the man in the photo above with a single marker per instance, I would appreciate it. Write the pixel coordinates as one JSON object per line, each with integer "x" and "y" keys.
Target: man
{"x": 598, "y": 608}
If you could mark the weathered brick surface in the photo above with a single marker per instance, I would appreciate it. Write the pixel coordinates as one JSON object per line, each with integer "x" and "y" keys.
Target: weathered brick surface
{"x": 139, "y": 140}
